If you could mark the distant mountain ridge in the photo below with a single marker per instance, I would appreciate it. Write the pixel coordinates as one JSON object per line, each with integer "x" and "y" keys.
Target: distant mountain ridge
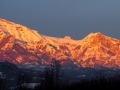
{"x": 21, "y": 45}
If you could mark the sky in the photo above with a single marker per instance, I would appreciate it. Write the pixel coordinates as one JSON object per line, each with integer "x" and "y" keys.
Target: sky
{"x": 58, "y": 18}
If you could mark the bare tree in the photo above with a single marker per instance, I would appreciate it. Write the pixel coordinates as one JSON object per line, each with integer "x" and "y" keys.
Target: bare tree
{"x": 57, "y": 69}
{"x": 52, "y": 76}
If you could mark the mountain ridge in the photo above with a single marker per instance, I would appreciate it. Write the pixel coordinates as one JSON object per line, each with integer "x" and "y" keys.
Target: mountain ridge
{"x": 22, "y": 45}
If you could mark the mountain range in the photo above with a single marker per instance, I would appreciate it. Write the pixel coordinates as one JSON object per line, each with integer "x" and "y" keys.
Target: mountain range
{"x": 22, "y": 45}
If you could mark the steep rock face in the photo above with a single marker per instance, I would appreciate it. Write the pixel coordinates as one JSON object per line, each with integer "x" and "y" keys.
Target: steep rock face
{"x": 21, "y": 45}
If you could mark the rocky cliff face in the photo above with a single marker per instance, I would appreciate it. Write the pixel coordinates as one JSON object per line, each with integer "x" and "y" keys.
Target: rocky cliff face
{"x": 19, "y": 44}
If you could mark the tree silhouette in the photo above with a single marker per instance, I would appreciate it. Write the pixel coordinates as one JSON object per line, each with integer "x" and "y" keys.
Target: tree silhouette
{"x": 52, "y": 76}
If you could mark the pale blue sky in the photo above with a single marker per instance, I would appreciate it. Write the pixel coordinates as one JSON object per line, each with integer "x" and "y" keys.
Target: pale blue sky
{"x": 75, "y": 18}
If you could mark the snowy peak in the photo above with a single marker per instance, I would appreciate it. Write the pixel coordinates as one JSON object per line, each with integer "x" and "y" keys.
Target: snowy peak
{"x": 100, "y": 42}
{"x": 96, "y": 39}
{"x": 93, "y": 36}
{"x": 19, "y": 32}
{"x": 93, "y": 39}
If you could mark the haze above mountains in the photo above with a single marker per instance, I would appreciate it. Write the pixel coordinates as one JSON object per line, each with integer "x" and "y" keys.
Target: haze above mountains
{"x": 21, "y": 45}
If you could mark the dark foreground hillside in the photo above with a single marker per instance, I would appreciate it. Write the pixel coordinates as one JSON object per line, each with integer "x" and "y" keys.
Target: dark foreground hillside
{"x": 55, "y": 78}
{"x": 100, "y": 83}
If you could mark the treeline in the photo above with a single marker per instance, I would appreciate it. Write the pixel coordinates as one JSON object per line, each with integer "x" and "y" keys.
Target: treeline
{"x": 52, "y": 79}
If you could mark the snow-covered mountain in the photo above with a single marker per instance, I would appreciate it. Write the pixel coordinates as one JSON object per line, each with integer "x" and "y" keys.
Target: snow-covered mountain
{"x": 19, "y": 44}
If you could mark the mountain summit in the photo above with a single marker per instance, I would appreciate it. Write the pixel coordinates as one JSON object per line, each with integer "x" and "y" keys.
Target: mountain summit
{"x": 22, "y": 45}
